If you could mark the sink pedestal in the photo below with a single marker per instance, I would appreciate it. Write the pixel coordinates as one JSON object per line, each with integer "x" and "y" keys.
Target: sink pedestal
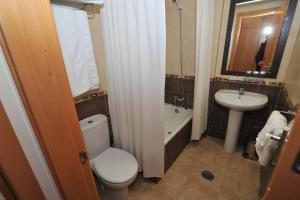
{"x": 232, "y": 133}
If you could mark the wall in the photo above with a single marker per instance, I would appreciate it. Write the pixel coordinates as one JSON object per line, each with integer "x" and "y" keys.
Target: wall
{"x": 188, "y": 37}
{"x": 96, "y": 34}
{"x": 220, "y": 27}
{"x": 175, "y": 86}
{"x": 292, "y": 79}
{"x": 289, "y": 72}
{"x": 253, "y": 121}
{"x": 93, "y": 105}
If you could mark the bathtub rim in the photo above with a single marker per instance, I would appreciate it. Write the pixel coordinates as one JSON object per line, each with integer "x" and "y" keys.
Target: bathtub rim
{"x": 180, "y": 126}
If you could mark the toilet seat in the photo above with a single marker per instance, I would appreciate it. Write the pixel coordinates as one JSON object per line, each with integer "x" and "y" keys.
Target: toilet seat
{"x": 115, "y": 166}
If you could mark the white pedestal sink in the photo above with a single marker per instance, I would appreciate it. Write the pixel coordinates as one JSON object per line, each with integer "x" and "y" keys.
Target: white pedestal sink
{"x": 237, "y": 103}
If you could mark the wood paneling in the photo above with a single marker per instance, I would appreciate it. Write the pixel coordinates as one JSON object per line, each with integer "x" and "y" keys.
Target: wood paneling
{"x": 14, "y": 165}
{"x": 39, "y": 73}
{"x": 5, "y": 189}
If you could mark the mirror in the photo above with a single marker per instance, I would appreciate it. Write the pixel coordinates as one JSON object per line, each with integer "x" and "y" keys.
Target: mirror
{"x": 256, "y": 36}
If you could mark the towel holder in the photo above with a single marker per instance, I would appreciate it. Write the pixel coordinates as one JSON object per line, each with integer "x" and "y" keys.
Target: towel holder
{"x": 289, "y": 112}
{"x": 90, "y": 8}
{"x": 285, "y": 131}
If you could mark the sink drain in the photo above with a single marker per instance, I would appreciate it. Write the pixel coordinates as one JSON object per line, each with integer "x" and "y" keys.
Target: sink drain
{"x": 169, "y": 132}
{"x": 207, "y": 175}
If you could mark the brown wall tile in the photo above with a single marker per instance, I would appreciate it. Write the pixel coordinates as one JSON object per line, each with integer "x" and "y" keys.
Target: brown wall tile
{"x": 95, "y": 105}
{"x": 253, "y": 121}
{"x": 173, "y": 87}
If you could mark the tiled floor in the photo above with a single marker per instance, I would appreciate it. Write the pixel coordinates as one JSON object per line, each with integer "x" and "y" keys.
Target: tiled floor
{"x": 235, "y": 177}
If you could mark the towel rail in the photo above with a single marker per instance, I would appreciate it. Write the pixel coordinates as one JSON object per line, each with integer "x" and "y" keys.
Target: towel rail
{"x": 289, "y": 112}
{"x": 88, "y": 6}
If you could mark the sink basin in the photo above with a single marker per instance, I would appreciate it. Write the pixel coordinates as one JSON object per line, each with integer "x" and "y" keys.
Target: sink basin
{"x": 237, "y": 104}
{"x": 245, "y": 102}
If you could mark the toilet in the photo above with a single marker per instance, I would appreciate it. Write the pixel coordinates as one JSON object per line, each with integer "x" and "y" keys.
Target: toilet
{"x": 116, "y": 169}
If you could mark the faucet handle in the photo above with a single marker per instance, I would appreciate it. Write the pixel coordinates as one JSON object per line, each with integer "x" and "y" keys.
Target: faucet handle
{"x": 241, "y": 90}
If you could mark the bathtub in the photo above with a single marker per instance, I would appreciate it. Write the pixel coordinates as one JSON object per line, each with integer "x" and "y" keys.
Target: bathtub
{"x": 175, "y": 119}
{"x": 178, "y": 127}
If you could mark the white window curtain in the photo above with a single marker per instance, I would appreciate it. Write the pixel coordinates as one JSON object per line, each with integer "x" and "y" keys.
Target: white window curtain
{"x": 204, "y": 43}
{"x": 134, "y": 45}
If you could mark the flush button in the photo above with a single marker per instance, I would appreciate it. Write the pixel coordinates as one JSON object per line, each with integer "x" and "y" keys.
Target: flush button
{"x": 296, "y": 164}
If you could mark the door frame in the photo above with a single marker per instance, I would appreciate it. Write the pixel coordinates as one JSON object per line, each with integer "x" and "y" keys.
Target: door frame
{"x": 35, "y": 61}
{"x": 18, "y": 117}
{"x": 34, "y": 57}
{"x": 14, "y": 166}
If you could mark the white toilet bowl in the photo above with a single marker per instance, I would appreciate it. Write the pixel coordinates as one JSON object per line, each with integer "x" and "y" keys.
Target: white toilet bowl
{"x": 114, "y": 191}
{"x": 116, "y": 169}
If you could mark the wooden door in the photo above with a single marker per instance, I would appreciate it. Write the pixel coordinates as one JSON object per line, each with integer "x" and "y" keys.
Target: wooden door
{"x": 14, "y": 167}
{"x": 248, "y": 42}
{"x": 5, "y": 190}
{"x": 285, "y": 182}
{"x": 32, "y": 51}
{"x": 251, "y": 37}
{"x": 248, "y": 36}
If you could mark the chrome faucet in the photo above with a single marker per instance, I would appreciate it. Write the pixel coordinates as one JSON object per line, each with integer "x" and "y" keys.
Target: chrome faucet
{"x": 178, "y": 99}
{"x": 241, "y": 91}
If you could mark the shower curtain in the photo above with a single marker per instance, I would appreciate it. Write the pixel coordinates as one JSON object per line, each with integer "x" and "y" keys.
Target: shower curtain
{"x": 204, "y": 42}
{"x": 134, "y": 45}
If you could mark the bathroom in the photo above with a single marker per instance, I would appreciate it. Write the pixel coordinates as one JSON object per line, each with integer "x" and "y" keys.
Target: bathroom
{"x": 164, "y": 99}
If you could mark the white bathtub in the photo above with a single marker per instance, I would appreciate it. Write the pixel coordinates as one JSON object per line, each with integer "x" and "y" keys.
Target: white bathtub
{"x": 174, "y": 121}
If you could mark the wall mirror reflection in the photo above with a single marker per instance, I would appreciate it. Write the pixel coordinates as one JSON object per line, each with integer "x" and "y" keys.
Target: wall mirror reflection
{"x": 256, "y": 36}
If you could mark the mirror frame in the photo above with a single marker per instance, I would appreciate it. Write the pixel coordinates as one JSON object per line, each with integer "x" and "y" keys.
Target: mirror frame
{"x": 280, "y": 45}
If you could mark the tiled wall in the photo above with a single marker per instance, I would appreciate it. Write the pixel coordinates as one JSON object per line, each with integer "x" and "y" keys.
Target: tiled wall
{"x": 173, "y": 87}
{"x": 93, "y": 106}
{"x": 188, "y": 37}
{"x": 253, "y": 121}
{"x": 98, "y": 103}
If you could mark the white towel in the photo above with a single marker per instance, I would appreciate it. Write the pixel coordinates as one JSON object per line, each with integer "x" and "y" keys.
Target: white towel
{"x": 265, "y": 147}
{"x": 76, "y": 45}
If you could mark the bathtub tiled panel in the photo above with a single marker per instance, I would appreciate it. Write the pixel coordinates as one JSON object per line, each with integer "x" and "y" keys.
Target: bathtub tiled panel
{"x": 173, "y": 87}
{"x": 253, "y": 121}
{"x": 95, "y": 105}
{"x": 176, "y": 145}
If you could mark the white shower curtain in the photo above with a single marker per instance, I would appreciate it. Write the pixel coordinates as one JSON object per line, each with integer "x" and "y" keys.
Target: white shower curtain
{"x": 204, "y": 42}
{"x": 134, "y": 45}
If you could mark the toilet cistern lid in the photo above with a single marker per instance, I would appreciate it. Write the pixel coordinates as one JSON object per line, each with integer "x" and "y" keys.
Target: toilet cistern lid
{"x": 115, "y": 165}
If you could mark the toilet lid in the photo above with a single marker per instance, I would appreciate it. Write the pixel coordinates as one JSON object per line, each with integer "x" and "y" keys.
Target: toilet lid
{"x": 115, "y": 165}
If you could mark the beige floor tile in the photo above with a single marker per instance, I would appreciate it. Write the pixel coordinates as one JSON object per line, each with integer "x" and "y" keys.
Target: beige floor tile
{"x": 235, "y": 177}
{"x": 183, "y": 164}
{"x": 242, "y": 178}
{"x": 217, "y": 170}
{"x": 171, "y": 184}
{"x": 147, "y": 194}
{"x": 139, "y": 183}
{"x": 195, "y": 190}
{"x": 228, "y": 195}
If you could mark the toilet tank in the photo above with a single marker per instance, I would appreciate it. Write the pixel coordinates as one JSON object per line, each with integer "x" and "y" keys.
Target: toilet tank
{"x": 95, "y": 134}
